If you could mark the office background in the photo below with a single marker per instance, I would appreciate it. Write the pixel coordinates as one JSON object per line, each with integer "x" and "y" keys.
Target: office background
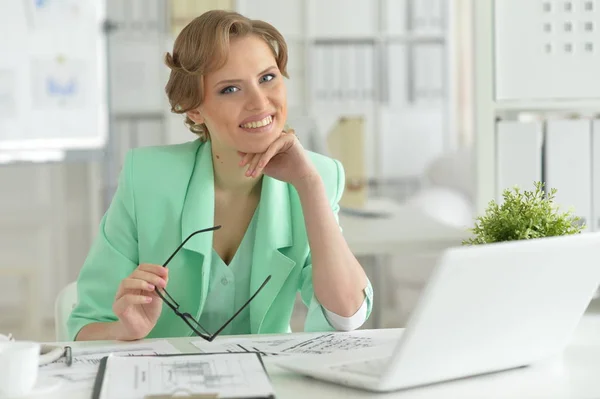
{"x": 433, "y": 106}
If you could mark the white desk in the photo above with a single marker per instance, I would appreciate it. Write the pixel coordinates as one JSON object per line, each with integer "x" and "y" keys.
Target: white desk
{"x": 574, "y": 374}
{"x": 407, "y": 231}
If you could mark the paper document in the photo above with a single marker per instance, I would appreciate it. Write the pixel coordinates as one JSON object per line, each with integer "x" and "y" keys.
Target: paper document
{"x": 304, "y": 344}
{"x": 83, "y": 371}
{"x": 231, "y": 375}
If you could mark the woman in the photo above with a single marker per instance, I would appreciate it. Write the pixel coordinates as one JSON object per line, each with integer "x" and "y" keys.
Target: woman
{"x": 277, "y": 205}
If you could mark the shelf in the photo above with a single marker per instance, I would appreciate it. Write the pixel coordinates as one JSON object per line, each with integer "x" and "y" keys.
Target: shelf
{"x": 342, "y": 39}
{"x": 589, "y": 106}
{"x": 416, "y": 38}
{"x": 384, "y": 39}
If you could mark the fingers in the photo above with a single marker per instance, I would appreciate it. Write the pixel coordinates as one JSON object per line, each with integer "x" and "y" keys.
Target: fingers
{"x": 149, "y": 278}
{"x": 132, "y": 299}
{"x": 126, "y": 301}
{"x": 254, "y": 163}
{"x": 155, "y": 269}
{"x": 261, "y": 160}
{"x": 136, "y": 284}
{"x": 246, "y": 158}
{"x": 145, "y": 278}
{"x": 257, "y": 162}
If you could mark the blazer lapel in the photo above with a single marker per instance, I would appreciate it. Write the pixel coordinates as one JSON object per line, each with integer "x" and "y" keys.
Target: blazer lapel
{"x": 273, "y": 233}
{"x": 198, "y": 213}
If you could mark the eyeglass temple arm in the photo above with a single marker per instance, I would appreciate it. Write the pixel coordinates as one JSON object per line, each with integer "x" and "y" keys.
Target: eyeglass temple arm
{"x": 174, "y": 305}
{"x": 186, "y": 240}
{"x": 239, "y": 310}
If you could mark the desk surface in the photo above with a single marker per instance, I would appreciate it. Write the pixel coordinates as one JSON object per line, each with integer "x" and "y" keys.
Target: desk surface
{"x": 406, "y": 230}
{"x": 574, "y": 374}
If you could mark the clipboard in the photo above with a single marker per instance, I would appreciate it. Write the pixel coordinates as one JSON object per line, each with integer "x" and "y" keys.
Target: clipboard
{"x": 185, "y": 394}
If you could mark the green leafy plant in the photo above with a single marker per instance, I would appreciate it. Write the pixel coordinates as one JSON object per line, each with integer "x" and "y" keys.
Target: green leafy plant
{"x": 523, "y": 215}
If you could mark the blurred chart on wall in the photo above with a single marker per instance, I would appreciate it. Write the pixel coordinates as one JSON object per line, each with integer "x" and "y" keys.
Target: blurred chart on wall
{"x": 57, "y": 72}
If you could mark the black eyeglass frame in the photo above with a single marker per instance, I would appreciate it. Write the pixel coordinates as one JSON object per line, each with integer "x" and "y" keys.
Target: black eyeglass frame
{"x": 188, "y": 318}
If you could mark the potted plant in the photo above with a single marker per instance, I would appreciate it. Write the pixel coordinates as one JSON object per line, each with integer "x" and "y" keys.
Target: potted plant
{"x": 523, "y": 215}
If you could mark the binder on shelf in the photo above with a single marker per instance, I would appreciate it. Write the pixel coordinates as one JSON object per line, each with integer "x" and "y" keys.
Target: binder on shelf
{"x": 396, "y": 62}
{"x": 569, "y": 166}
{"x": 519, "y": 155}
{"x": 152, "y": 14}
{"x": 395, "y": 14}
{"x": 135, "y": 13}
{"x": 368, "y": 77}
{"x": 321, "y": 83}
{"x": 346, "y": 142}
{"x": 428, "y": 81}
{"x": 595, "y": 223}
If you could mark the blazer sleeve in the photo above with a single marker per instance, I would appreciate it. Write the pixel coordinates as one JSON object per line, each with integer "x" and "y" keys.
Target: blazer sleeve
{"x": 316, "y": 320}
{"x": 112, "y": 257}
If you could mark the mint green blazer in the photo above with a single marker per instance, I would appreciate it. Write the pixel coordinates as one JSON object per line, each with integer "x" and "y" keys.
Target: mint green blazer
{"x": 165, "y": 193}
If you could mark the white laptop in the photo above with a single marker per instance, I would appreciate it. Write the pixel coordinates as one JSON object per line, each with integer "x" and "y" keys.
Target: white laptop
{"x": 485, "y": 308}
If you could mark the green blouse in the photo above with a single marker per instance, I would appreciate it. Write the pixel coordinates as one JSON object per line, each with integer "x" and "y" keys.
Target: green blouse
{"x": 229, "y": 288}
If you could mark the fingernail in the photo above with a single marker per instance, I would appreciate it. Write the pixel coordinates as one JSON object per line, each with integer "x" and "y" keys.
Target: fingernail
{"x": 148, "y": 299}
{"x": 150, "y": 287}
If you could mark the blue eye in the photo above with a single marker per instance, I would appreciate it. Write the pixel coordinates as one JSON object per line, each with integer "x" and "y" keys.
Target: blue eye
{"x": 268, "y": 77}
{"x": 229, "y": 89}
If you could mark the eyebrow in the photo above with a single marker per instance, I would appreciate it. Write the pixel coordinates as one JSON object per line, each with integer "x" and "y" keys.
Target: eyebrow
{"x": 230, "y": 81}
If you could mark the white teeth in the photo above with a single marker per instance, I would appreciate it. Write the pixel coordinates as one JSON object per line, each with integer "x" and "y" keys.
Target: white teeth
{"x": 254, "y": 125}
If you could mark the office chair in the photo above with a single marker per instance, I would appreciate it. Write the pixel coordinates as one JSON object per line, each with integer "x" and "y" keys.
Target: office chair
{"x": 65, "y": 302}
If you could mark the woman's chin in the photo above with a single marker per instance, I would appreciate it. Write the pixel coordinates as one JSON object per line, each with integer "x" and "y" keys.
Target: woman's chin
{"x": 257, "y": 146}
{"x": 252, "y": 149}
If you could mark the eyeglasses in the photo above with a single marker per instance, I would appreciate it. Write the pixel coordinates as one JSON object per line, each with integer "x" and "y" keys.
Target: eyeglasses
{"x": 188, "y": 318}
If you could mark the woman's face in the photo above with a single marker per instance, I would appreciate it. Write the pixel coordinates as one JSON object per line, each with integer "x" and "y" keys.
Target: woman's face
{"x": 244, "y": 104}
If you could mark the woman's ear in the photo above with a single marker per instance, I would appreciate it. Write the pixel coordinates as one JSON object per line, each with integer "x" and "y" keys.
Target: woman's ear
{"x": 196, "y": 116}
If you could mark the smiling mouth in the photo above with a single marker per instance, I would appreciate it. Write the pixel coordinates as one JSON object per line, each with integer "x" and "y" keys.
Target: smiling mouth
{"x": 258, "y": 124}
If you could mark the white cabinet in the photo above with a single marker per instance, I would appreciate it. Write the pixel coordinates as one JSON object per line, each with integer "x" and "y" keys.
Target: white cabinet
{"x": 547, "y": 50}
{"x": 536, "y": 61}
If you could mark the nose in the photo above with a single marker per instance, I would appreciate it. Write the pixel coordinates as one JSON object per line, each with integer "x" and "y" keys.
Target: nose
{"x": 257, "y": 99}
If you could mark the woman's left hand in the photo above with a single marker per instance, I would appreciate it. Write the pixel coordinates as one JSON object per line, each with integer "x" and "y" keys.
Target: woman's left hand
{"x": 284, "y": 160}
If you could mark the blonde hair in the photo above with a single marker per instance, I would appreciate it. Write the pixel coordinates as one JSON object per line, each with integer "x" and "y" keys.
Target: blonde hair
{"x": 202, "y": 47}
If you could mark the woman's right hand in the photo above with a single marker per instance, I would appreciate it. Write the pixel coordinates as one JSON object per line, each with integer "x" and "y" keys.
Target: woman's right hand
{"x": 136, "y": 304}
